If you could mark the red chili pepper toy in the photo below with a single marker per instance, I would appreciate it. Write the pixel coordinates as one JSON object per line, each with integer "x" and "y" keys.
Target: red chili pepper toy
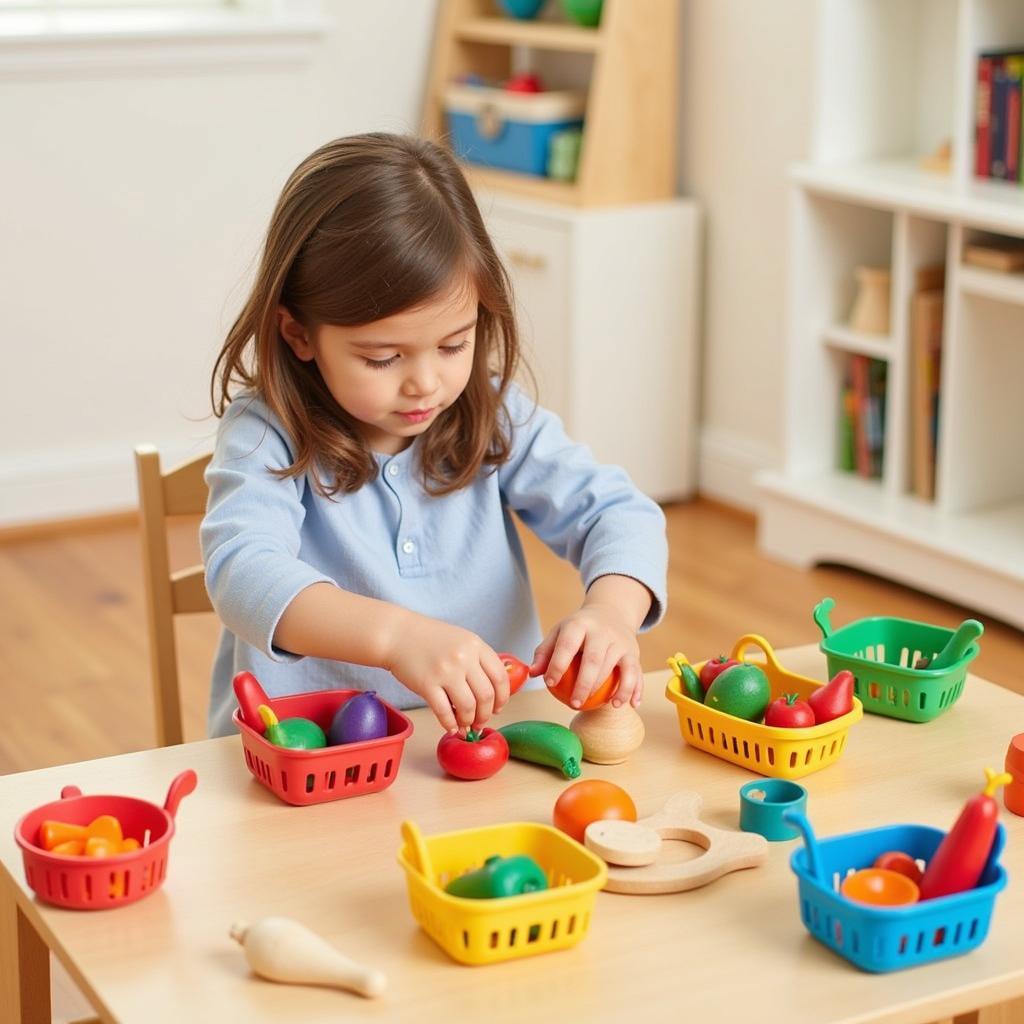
{"x": 478, "y": 755}
{"x": 960, "y": 859}
{"x": 834, "y": 699}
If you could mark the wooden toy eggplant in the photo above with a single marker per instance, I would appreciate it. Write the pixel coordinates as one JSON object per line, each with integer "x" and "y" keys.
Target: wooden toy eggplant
{"x": 362, "y": 717}
{"x": 280, "y": 949}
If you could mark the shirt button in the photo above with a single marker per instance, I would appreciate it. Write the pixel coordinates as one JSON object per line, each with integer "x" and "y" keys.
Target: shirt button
{"x": 393, "y": 470}
{"x": 408, "y": 547}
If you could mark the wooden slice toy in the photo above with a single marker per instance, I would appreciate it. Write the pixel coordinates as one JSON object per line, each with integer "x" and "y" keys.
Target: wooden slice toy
{"x": 627, "y": 845}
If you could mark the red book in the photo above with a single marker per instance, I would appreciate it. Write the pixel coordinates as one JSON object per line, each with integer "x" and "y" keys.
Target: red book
{"x": 982, "y": 116}
{"x": 1013, "y": 130}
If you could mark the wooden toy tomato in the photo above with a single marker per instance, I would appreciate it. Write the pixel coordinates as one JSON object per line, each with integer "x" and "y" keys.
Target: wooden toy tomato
{"x": 601, "y": 694}
{"x": 478, "y": 755}
{"x": 591, "y": 800}
{"x": 518, "y": 671}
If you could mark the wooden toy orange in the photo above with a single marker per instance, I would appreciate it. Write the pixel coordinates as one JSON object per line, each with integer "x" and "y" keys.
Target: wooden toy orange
{"x": 588, "y": 801}
{"x": 600, "y": 695}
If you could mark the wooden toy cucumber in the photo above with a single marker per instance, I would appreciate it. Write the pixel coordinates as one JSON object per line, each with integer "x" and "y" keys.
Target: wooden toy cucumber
{"x": 545, "y": 743}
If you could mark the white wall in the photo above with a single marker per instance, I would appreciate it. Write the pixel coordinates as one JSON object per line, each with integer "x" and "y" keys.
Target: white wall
{"x": 134, "y": 203}
{"x": 747, "y": 114}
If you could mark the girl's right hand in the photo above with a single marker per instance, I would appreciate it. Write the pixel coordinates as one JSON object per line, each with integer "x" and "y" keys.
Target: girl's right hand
{"x": 462, "y": 680}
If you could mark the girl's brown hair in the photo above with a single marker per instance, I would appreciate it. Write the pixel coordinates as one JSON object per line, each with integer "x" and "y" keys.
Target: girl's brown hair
{"x": 366, "y": 227}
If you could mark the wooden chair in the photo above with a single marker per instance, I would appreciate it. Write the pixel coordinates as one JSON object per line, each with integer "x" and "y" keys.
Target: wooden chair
{"x": 179, "y": 492}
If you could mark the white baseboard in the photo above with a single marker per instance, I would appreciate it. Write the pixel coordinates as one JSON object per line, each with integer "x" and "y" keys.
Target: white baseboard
{"x": 727, "y": 465}
{"x": 68, "y": 484}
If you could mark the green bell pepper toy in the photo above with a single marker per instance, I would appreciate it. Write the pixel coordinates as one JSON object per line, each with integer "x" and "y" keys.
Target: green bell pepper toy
{"x": 500, "y": 876}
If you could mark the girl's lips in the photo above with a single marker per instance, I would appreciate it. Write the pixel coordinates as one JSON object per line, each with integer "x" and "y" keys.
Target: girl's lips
{"x": 417, "y": 415}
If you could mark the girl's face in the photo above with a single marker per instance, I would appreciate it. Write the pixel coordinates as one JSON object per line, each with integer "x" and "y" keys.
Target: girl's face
{"x": 396, "y": 375}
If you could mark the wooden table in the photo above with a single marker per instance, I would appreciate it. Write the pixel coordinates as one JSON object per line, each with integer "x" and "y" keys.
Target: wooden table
{"x": 734, "y": 950}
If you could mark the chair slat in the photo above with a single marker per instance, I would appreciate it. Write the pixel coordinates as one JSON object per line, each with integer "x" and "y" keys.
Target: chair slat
{"x": 188, "y": 589}
{"x": 185, "y": 489}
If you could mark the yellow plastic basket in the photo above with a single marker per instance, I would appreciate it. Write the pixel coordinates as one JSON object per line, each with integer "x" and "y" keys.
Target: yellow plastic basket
{"x": 489, "y": 931}
{"x": 777, "y": 753}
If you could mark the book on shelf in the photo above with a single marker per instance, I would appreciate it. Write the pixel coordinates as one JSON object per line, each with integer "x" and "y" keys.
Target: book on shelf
{"x": 862, "y": 416}
{"x": 926, "y": 313}
{"x": 999, "y": 115}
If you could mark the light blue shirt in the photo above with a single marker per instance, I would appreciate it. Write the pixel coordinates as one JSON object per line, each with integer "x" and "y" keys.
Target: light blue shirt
{"x": 455, "y": 557}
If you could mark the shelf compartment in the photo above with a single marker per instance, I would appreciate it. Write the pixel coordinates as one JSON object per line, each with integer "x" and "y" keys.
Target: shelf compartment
{"x": 521, "y": 184}
{"x": 991, "y": 284}
{"x": 846, "y": 339}
{"x": 901, "y": 185}
{"x": 539, "y": 35}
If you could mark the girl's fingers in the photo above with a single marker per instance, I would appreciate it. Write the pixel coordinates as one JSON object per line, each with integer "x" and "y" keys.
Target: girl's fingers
{"x": 570, "y": 639}
{"x": 497, "y": 677}
{"x": 483, "y": 693}
{"x": 589, "y": 676}
{"x": 437, "y": 701}
{"x": 463, "y": 701}
{"x": 629, "y": 678}
{"x": 638, "y": 693}
{"x": 542, "y": 656}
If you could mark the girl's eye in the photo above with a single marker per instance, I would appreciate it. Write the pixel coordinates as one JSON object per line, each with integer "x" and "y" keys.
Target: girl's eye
{"x": 454, "y": 350}
{"x": 380, "y": 364}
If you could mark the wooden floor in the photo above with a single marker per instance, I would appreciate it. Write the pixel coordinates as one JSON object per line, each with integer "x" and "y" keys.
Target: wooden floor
{"x": 72, "y": 632}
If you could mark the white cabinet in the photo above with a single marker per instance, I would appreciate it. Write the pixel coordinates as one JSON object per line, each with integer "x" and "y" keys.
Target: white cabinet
{"x": 894, "y": 80}
{"x": 607, "y": 303}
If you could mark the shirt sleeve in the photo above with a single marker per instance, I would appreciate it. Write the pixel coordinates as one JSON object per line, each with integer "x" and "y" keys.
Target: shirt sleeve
{"x": 251, "y": 533}
{"x": 590, "y": 513}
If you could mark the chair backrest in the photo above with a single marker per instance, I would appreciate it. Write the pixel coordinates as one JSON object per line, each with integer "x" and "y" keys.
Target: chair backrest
{"x": 179, "y": 492}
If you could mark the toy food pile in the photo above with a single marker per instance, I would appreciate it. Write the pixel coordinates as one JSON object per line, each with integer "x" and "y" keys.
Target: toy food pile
{"x": 102, "y": 837}
{"x": 360, "y": 718}
{"x": 957, "y": 865}
{"x": 742, "y": 690}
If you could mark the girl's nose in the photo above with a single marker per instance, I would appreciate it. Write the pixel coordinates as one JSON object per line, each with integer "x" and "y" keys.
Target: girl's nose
{"x": 421, "y": 380}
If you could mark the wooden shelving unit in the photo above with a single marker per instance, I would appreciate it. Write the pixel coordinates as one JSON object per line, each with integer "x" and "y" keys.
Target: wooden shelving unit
{"x": 894, "y": 80}
{"x": 631, "y": 119}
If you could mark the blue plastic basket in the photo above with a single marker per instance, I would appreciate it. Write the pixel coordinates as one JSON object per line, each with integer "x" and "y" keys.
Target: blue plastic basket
{"x": 884, "y": 939}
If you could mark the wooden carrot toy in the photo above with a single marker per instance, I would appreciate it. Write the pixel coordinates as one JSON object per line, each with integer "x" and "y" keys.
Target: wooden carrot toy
{"x": 281, "y": 949}
{"x": 960, "y": 859}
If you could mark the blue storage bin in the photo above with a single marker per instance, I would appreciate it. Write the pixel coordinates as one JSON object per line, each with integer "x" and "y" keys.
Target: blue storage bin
{"x": 882, "y": 939}
{"x": 510, "y": 131}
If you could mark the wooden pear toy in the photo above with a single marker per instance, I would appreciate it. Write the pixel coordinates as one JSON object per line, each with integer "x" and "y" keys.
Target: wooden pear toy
{"x": 608, "y": 734}
{"x": 281, "y": 949}
{"x": 632, "y": 849}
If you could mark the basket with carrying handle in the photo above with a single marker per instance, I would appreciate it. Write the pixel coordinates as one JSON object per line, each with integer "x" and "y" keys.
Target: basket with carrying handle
{"x": 881, "y": 653}
{"x": 772, "y": 751}
{"x": 487, "y": 931}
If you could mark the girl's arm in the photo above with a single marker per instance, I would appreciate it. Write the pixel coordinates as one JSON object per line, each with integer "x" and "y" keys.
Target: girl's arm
{"x": 594, "y": 516}
{"x": 268, "y": 596}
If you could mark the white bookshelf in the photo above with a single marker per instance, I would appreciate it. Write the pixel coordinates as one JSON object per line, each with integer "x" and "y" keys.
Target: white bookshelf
{"x": 894, "y": 80}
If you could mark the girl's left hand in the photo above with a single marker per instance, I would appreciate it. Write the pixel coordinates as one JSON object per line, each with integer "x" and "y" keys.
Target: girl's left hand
{"x": 607, "y": 640}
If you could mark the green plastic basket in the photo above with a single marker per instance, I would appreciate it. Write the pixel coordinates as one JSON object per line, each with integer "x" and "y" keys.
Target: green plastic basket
{"x": 881, "y": 653}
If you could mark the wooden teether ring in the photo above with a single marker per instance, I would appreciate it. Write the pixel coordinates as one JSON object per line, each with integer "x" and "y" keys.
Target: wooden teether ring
{"x": 678, "y": 819}
{"x": 623, "y": 842}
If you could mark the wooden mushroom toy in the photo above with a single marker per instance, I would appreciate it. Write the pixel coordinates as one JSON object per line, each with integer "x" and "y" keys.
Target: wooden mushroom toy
{"x": 608, "y": 734}
{"x": 281, "y": 949}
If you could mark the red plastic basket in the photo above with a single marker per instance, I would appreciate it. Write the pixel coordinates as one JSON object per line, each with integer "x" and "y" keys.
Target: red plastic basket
{"x": 100, "y": 883}
{"x": 302, "y": 777}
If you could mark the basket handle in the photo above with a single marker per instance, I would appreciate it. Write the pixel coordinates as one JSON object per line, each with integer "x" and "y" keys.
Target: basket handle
{"x": 70, "y": 791}
{"x": 821, "y": 613}
{"x": 754, "y": 640}
{"x": 420, "y": 855}
{"x": 181, "y": 786}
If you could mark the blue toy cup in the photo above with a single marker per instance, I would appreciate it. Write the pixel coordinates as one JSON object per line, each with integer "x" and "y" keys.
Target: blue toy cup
{"x": 523, "y": 9}
{"x": 762, "y": 804}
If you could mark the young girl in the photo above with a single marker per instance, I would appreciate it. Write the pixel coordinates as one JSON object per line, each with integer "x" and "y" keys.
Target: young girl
{"x": 372, "y": 450}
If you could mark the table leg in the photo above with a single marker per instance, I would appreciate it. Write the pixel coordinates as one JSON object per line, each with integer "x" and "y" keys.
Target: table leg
{"x": 24, "y": 966}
